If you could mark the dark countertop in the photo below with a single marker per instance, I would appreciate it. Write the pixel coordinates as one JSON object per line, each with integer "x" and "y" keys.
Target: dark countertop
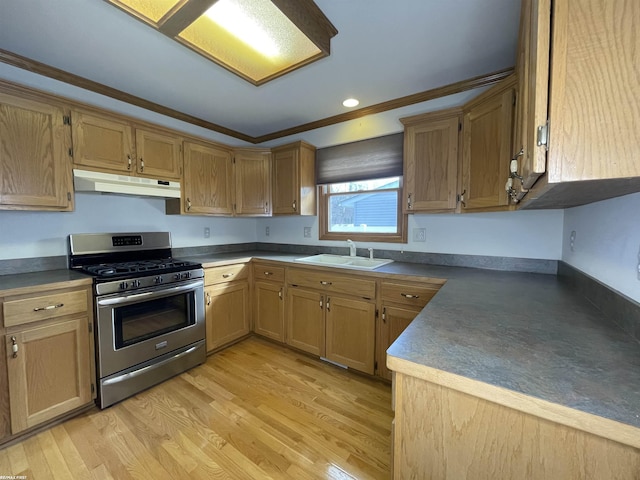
{"x": 524, "y": 332}
{"x": 26, "y": 282}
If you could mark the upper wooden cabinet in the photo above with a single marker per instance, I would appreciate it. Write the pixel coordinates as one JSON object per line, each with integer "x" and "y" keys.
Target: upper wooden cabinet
{"x": 106, "y": 143}
{"x": 487, "y": 146}
{"x": 431, "y": 161}
{"x": 294, "y": 185}
{"x": 206, "y": 189}
{"x": 102, "y": 142}
{"x": 35, "y": 143}
{"x": 252, "y": 182}
{"x": 158, "y": 154}
{"x": 588, "y": 151}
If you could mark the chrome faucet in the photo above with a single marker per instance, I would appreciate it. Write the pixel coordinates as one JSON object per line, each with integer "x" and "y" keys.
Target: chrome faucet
{"x": 352, "y": 248}
{"x": 370, "y": 253}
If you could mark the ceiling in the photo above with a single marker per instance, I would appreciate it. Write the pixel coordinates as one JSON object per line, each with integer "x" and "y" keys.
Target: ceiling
{"x": 383, "y": 51}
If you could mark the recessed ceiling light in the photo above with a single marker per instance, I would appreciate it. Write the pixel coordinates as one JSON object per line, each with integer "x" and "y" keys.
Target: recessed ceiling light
{"x": 351, "y": 102}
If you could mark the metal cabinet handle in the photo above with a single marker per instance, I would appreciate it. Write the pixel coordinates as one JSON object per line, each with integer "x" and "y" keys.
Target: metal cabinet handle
{"x": 227, "y": 275}
{"x": 48, "y": 307}
{"x": 280, "y": 294}
{"x": 322, "y": 282}
{"x": 328, "y": 304}
{"x": 409, "y": 205}
{"x": 14, "y": 347}
{"x": 384, "y": 315}
{"x": 128, "y": 162}
{"x": 188, "y": 204}
{"x": 268, "y": 273}
{"x": 321, "y": 298}
{"x": 208, "y": 298}
{"x": 294, "y": 205}
{"x": 141, "y": 164}
{"x": 409, "y": 295}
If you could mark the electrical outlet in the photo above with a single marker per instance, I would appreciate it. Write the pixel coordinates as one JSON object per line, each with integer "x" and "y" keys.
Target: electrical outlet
{"x": 419, "y": 234}
{"x": 307, "y": 232}
{"x": 266, "y": 231}
{"x": 572, "y": 240}
{"x": 207, "y": 232}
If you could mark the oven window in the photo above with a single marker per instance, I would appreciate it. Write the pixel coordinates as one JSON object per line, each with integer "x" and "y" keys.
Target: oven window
{"x": 141, "y": 321}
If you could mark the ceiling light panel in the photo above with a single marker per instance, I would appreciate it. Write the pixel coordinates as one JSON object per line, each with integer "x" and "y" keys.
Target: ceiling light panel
{"x": 259, "y": 40}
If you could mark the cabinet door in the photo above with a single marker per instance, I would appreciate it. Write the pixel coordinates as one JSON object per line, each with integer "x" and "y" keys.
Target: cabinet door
{"x": 533, "y": 82}
{"x": 35, "y": 166}
{"x": 158, "y": 154}
{"x": 351, "y": 335}
{"x": 431, "y": 165}
{"x": 394, "y": 321}
{"x": 305, "y": 320}
{"x": 227, "y": 313}
{"x": 50, "y": 374}
{"x": 268, "y": 310}
{"x": 286, "y": 190}
{"x": 101, "y": 142}
{"x": 252, "y": 183}
{"x": 488, "y": 128}
{"x": 207, "y": 180}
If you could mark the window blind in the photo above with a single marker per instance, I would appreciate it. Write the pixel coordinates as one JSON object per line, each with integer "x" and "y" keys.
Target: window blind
{"x": 378, "y": 157}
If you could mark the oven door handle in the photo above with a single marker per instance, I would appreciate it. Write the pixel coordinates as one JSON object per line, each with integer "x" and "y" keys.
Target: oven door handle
{"x": 136, "y": 373}
{"x": 136, "y": 297}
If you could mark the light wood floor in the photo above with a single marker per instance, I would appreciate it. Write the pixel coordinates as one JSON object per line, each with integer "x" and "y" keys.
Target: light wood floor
{"x": 253, "y": 411}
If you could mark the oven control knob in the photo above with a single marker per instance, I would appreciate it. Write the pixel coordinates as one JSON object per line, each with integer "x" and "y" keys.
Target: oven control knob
{"x": 158, "y": 279}
{"x": 124, "y": 285}
{"x": 177, "y": 276}
{"x": 186, "y": 275}
{"x": 135, "y": 283}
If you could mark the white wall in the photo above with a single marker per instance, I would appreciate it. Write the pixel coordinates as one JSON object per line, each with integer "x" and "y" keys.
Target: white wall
{"x": 607, "y": 244}
{"x": 526, "y": 234}
{"x": 44, "y": 234}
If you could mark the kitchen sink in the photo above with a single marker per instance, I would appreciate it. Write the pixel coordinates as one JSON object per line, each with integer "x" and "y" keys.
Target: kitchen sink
{"x": 344, "y": 261}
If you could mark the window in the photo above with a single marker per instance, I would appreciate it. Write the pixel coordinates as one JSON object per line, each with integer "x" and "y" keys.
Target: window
{"x": 366, "y": 210}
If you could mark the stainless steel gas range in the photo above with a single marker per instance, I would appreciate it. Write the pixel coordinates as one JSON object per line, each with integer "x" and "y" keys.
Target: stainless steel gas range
{"x": 149, "y": 310}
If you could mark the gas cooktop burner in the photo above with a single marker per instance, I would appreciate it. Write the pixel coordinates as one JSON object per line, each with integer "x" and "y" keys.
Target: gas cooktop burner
{"x": 165, "y": 265}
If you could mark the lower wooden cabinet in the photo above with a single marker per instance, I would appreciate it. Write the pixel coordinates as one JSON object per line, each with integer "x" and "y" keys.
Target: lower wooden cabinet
{"x": 48, "y": 340}
{"x": 227, "y": 313}
{"x": 268, "y": 309}
{"x": 351, "y": 333}
{"x": 305, "y": 320}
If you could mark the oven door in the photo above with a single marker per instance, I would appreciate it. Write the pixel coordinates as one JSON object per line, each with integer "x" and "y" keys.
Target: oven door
{"x": 137, "y": 327}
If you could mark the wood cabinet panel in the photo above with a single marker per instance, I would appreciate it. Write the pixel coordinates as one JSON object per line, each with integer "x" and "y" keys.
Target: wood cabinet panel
{"x": 227, "y": 273}
{"x": 331, "y": 282}
{"x": 487, "y": 147}
{"x": 394, "y": 320}
{"x": 35, "y": 166}
{"x": 350, "y": 333}
{"x": 207, "y": 187}
{"x": 264, "y": 271}
{"x": 102, "y": 142}
{"x": 227, "y": 313}
{"x": 305, "y": 320}
{"x": 294, "y": 185}
{"x": 50, "y": 374}
{"x": 252, "y": 177}
{"x": 268, "y": 309}
{"x": 443, "y": 433}
{"x": 410, "y": 294}
{"x": 431, "y": 161}
{"x": 34, "y": 309}
{"x": 158, "y": 154}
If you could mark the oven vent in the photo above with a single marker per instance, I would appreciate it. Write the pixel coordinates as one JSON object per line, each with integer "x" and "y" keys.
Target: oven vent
{"x": 100, "y": 182}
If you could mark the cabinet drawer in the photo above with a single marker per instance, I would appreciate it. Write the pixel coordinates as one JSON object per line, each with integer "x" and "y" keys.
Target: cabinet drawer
{"x": 43, "y": 307}
{"x": 409, "y": 293}
{"x": 331, "y": 282}
{"x": 227, "y": 273}
{"x": 268, "y": 272}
